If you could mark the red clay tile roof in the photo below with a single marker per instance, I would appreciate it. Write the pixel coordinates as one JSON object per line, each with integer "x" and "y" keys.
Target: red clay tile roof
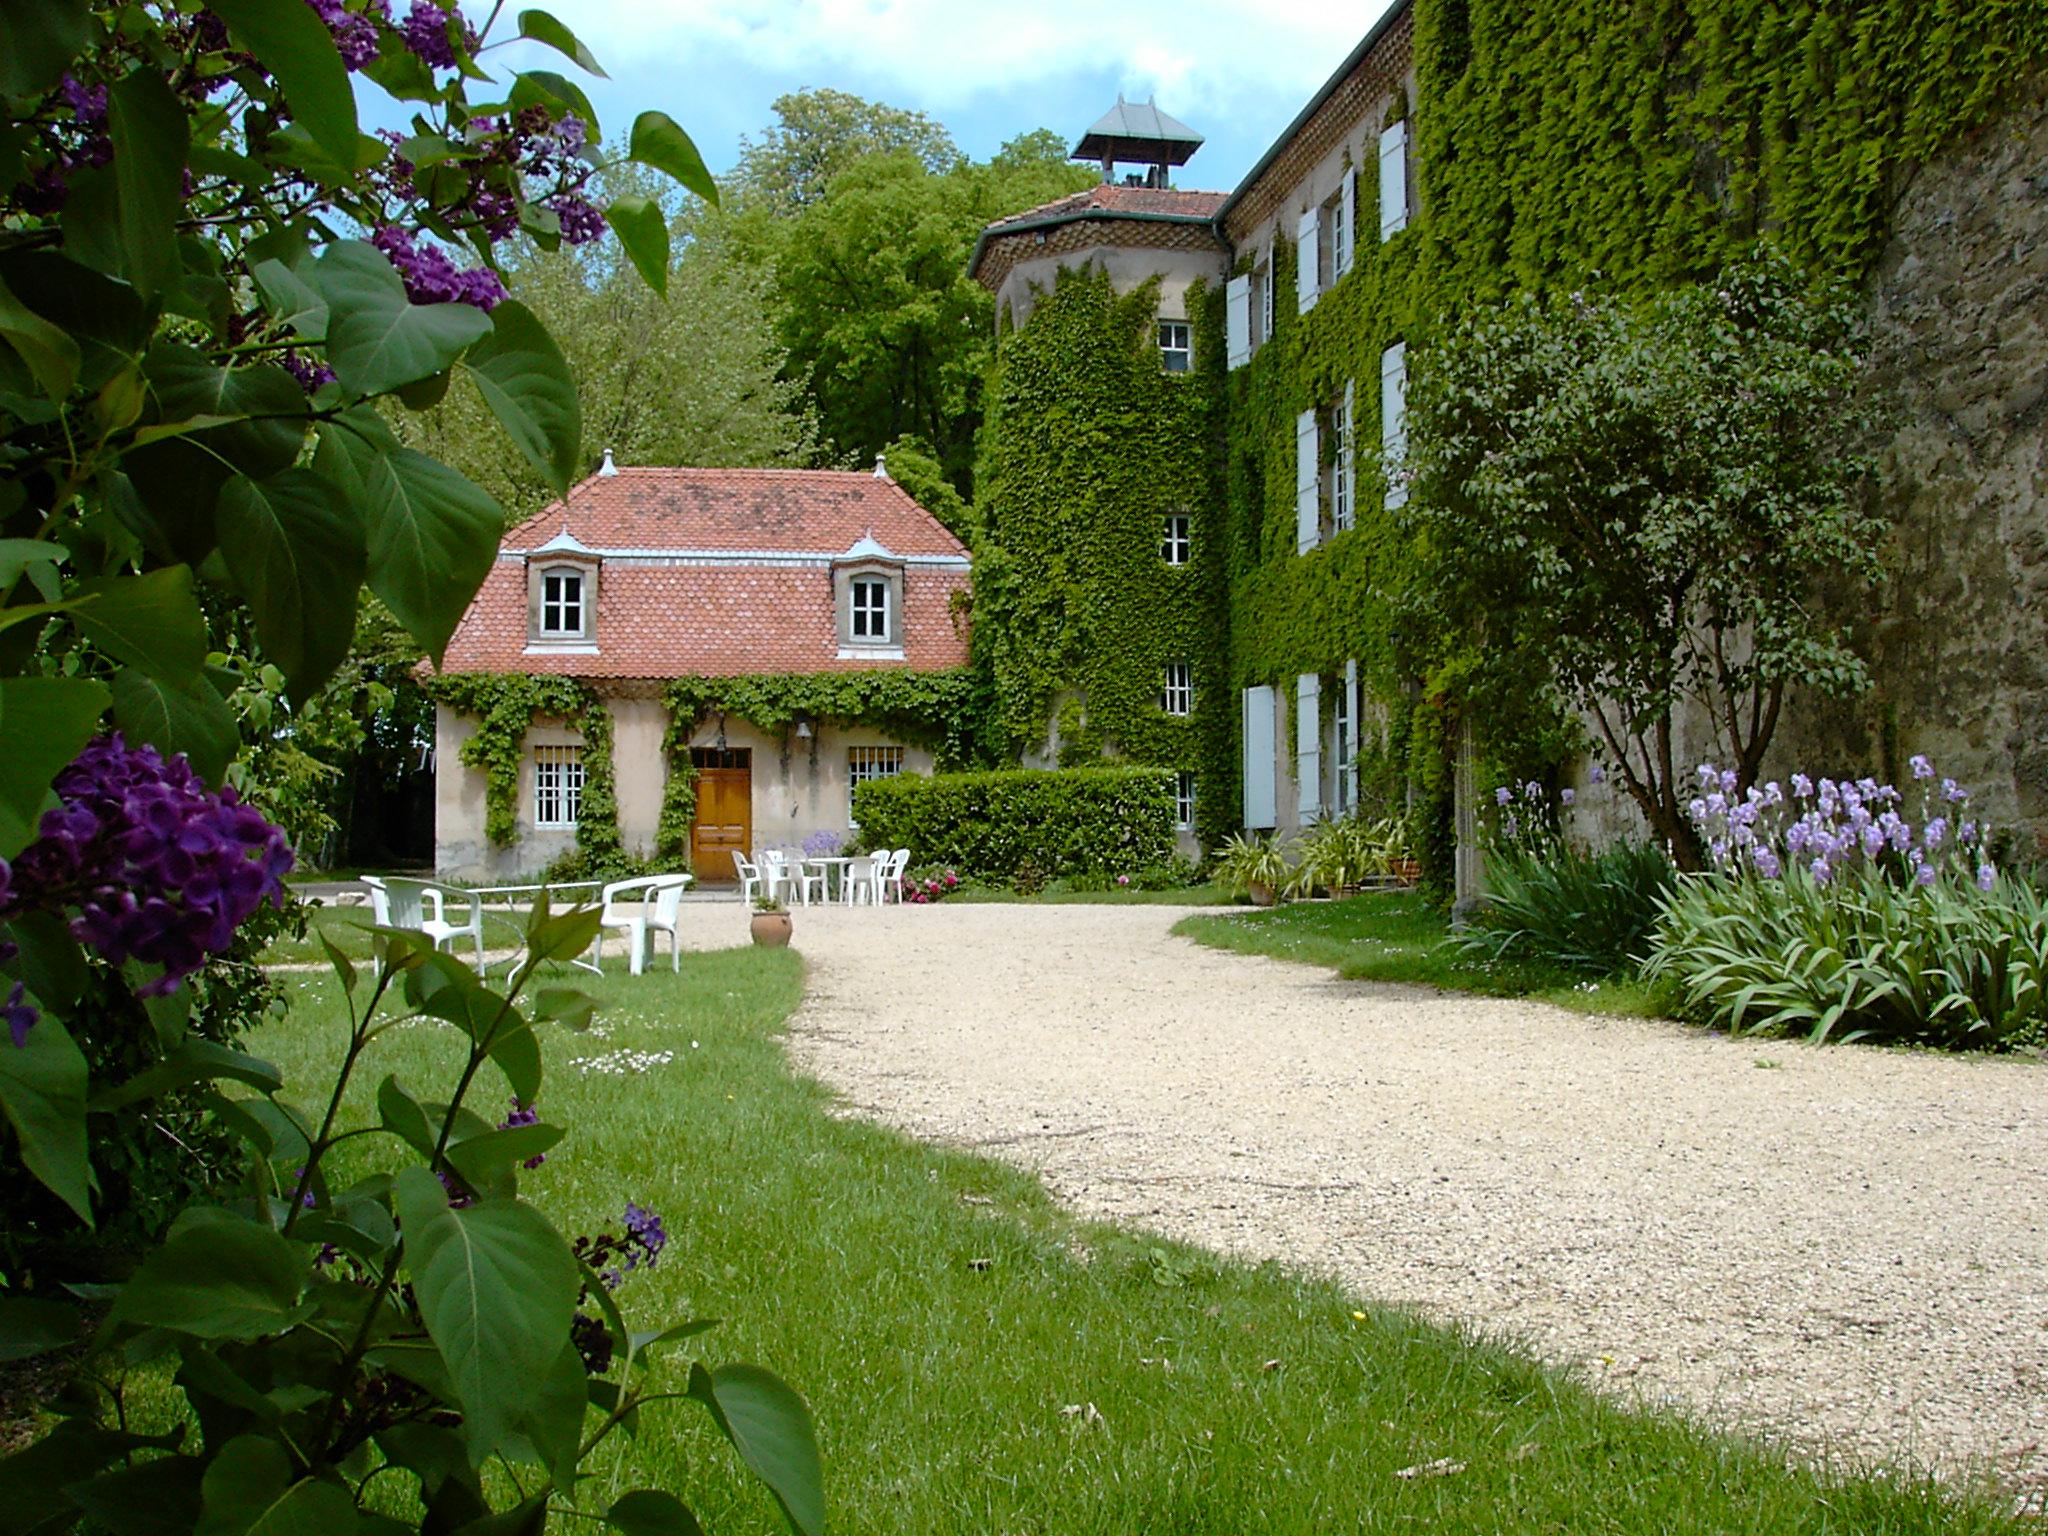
{"x": 805, "y": 511}
{"x": 679, "y": 617}
{"x": 1112, "y": 197}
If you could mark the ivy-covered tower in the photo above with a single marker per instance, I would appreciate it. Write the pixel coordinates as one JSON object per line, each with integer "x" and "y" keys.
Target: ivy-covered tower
{"x": 1099, "y": 585}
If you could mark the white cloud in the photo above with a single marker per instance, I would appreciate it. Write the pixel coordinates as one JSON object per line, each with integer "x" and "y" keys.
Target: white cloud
{"x": 1198, "y": 55}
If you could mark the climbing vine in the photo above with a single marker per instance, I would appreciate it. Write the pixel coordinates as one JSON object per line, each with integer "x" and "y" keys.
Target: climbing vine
{"x": 1089, "y": 446}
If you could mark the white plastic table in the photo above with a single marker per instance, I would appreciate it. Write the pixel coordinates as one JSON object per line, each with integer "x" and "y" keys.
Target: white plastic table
{"x": 485, "y": 892}
{"x": 834, "y": 867}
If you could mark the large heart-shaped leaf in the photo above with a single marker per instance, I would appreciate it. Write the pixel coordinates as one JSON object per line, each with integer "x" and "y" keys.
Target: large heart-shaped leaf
{"x": 293, "y": 43}
{"x": 42, "y": 1089}
{"x": 525, "y": 380}
{"x": 51, "y": 354}
{"x": 193, "y": 720}
{"x": 46, "y": 722}
{"x": 771, "y": 1429}
{"x": 292, "y": 299}
{"x": 642, "y": 229}
{"x": 250, "y": 1491}
{"x": 658, "y": 140}
{"x": 193, "y": 1061}
{"x": 652, "y": 1512}
{"x": 217, "y": 1276}
{"x": 29, "y": 1326}
{"x": 296, "y": 549}
{"x": 150, "y": 132}
{"x": 43, "y": 37}
{"x": 497, "y": 1290}
{"x": 432, "y": 533}
{"x": 377, "y": 338}
{"x": 151, "y": 621}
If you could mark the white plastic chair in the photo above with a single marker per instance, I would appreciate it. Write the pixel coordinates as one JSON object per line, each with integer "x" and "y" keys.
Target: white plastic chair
{"x": 864, "y": 878}
{"x": 892, "y": 877}
{"x": 750, "y": 875}
{"x": 423, "y": 907}
{"x": 775, "y": 876}
{"x": 380, "y": 901}
{"x": 657, "y": 902}
{"x": 801, "y": 878}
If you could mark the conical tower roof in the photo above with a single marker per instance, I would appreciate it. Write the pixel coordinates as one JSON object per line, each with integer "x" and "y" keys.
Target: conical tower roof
{"x": 1139, "y": 133}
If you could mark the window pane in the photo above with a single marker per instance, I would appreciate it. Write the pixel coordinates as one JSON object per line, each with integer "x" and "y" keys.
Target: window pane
{"x": 865, "y": 763}
{"x": 557, "y": 786}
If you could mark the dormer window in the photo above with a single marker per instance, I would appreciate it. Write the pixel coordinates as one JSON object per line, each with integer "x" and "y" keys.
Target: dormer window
{"x": 561, "y": 605}
{"x": 870, "y": 598}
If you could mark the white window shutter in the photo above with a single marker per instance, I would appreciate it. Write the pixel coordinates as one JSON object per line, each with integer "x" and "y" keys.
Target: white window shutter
{"x": 1308, "y": 452}
{"x": 1394, "y": 420}
{"x": 1308, "y": 740}
{"x": 1237, "y": 314}
{"x": 1268, "y": 294}
{"x": 1347, "y": 749}
{"x": 1306, "y": 234}
{"x": 1261, "y": 804}
{"x": 1347, "y": 221}
{"x": 1347, "y": 455}
{"x": 1393, "y": 180}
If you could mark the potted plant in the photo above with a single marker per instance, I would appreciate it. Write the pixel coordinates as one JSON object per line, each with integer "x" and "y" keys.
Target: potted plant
{"x": 771, "y": 922}
{"x": 1254, "y": 866}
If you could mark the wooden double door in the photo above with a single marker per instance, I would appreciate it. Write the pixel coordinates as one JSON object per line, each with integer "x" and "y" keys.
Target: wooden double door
{"x": 725, "y": 810}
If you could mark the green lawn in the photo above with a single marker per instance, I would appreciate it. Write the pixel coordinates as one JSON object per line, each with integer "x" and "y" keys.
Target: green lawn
{"x": 1397, "y": 936}
{"x": 980, "y": 1362}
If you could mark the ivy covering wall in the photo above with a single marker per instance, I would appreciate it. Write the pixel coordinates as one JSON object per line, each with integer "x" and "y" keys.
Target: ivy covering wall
{"x": 1089, "y": 445}
{"x": 1558, "y": 142}
{"x": 505, "y": 706}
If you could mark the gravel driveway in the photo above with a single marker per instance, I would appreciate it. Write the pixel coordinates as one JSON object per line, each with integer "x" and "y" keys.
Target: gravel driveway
{"x": 1848, "y": 1246}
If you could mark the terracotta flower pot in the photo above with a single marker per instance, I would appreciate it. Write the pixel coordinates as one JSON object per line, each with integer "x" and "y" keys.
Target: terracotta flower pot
{"x": 771, "y": 928}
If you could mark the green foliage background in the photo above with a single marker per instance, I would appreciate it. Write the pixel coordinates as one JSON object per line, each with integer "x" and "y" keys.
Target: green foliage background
{"x": 992, "y": 826}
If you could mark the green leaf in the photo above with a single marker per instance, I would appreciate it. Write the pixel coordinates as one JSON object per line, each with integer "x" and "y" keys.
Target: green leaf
{"x": 296, "y": 548}
{"x": 193, "y": 720}
{"x": 249, "y": 1491}
{"x": 42, "y": 1090}
{"x": 660, "y": 142}
{"x": 150, "y": 621}
{"x": 528, "y": 1519}
{"x": 150, "y": 133}
{"x": 558, "y": 93}
{"x": 497, "y": 1289}
{"x": 29, "y": 1326}
{"x": 771, "y": 1429}
{"x": 550, "y": 1417}
{"x": 52, "y": 356}
{"x": 543, "y": 28}
{"x": 433, "y": 536}
{"x": 292, "y": 300}
{"x": 193, "y": 1061}
{"x": 38, "y": 559}
{"x": 651, "y": 1512}
{"x": 377, "y": 338}
{"x": 33, "y": 1480}
{"x": 484, "y": 1160}
{"x": 46, "y": 722}
{"x": 525, "y": 380}
{"x": 293, "y": 43}
{"x": 152, "y": 1498}
{"x": 642, "y": 229}
{"x": 402, "y": 1114}
{"x": 42, "y": 38}
{"x": 217, "y": 1276}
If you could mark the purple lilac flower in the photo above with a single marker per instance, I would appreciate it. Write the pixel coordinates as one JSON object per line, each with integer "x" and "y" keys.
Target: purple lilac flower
{"x": 1987, "y": 877}
{"x": 581, "y": 223}
{"x": 496, "y": 212}
{"x": 311, "y": 375}
{"x": 523, "y": 1114}
{"x": 89, "y": 102}
{"x": 1566, "y": 796}
{"x": 426, "y": 34}
{"x": 355, "y": 36}
{"x": 160, "y": 869}
{"x": 1503, "y": 795}
{"x": 431, "y": 278}
{"x": 1922, "y": 769}
{"x": 571, "y": 134}
{"x": 20, "y": 1014}
{"x": 645, "y": 1231}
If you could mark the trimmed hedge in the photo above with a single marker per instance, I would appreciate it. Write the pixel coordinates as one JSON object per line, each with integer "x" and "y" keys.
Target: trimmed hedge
{"x": 988, "y": 826}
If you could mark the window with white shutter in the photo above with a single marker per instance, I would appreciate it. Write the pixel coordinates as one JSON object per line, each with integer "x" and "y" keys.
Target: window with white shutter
{"x": 1393, "y": 180}
{"x": 1237, "y": 320}
{"x": 1394, "y": 421}
{"x": 1344, "y": 718}
{"x": 1344, "y": 489}
{"x": 1260, "y": 800}
{"x": 1269, "y": 286}
{"x": 1305, "y": 240}
{"x": 1308, "y": 454}
{"x": 1347, "y": 221}
{"x": 1308, "y": 745}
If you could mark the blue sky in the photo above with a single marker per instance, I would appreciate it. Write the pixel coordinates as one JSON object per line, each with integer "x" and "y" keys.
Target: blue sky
{"x": 988, "y": 72}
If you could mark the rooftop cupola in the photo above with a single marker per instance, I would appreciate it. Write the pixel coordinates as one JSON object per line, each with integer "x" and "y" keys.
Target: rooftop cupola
{"x": 1134, "y": 134}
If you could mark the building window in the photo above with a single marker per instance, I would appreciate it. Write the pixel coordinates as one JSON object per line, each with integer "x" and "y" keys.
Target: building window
{"x": 1176, "y": 345}
{"x": 1184, "y": 800}
{"x": 1345, "y": 740}
{"x": 1174, "y": 545}
{"x": 1329, "y": 258}
{"x": 1177, "y": 697}
{"x": 561, "y": 604}
{"x": 864, "y": 764}
{"x": 557, "y": 786}
{"x": 1268, "y": 301}
{"x": 1343, "y": 483}
{"x": 870, "y": 610}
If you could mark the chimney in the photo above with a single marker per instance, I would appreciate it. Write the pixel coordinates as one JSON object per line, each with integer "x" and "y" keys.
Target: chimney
{"x": 881, "y": 469}
{"x": 607, "y": 467}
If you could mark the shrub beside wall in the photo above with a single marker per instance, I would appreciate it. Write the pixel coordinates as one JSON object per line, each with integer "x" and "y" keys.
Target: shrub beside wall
{"x": 989, "y": 825}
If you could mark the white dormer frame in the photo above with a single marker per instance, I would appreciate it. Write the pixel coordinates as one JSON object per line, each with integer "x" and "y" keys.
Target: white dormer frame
{"x": 568, "y": 568}
{"x": 868, "y": 562}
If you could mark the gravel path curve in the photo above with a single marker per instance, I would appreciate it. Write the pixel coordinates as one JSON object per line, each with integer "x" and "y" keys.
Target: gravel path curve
{"x": 1846, "y": 1246}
